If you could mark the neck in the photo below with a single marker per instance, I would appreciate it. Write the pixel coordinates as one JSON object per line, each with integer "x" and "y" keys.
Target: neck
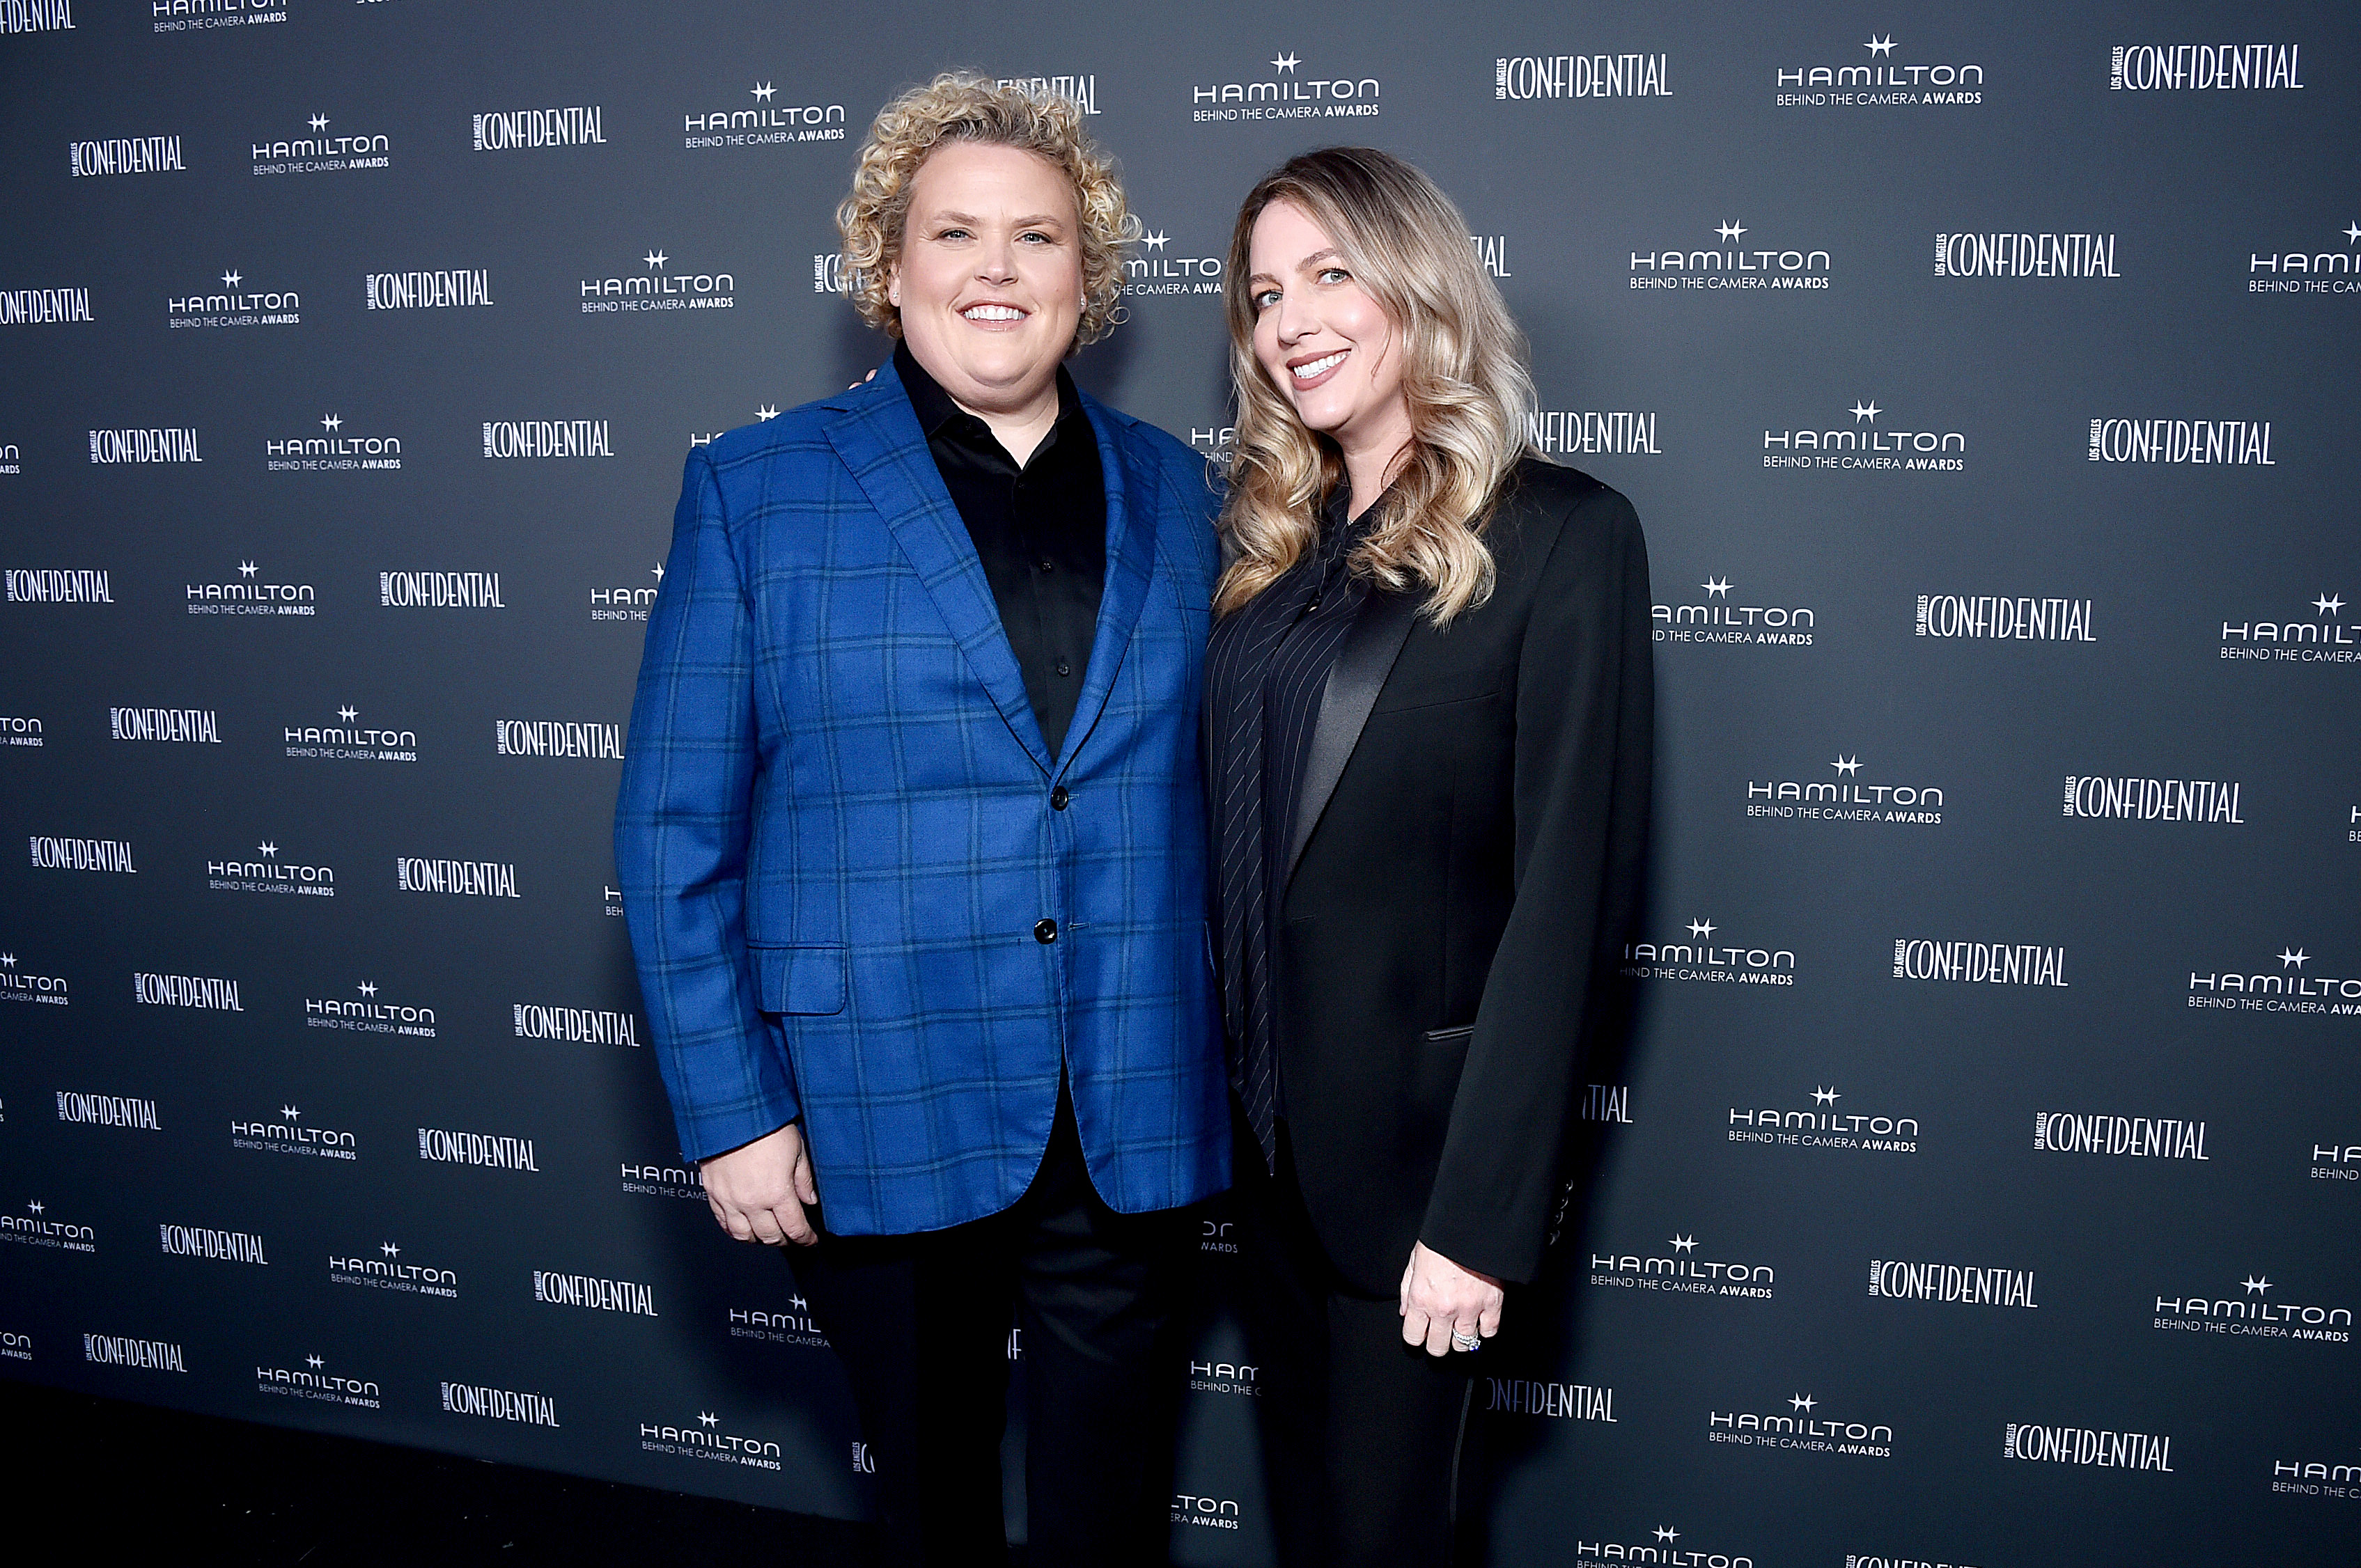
{"x": 1018, "y": 428}
{"x": 1370, "y": 466}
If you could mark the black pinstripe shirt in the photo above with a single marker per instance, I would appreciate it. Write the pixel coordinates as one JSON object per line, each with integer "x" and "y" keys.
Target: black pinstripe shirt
{"x": 1265, "y": 670}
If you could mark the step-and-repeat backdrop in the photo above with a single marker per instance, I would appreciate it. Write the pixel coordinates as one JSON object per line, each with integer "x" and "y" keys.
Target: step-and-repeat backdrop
{"x": 1979, "y": 1179}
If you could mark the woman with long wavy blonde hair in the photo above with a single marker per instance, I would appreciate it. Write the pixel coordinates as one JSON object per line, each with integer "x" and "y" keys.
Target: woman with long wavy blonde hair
{"x": 1429, "y": 722}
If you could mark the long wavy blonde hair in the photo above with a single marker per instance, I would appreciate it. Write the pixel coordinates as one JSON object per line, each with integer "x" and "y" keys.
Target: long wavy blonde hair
{"x": 959, "y": 106}
{"x": 1464, "y": 379}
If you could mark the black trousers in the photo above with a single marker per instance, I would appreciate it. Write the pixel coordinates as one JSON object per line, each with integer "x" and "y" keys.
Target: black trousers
{"x": 921, "y": 1323}
{"x": 1370, "y": 1445}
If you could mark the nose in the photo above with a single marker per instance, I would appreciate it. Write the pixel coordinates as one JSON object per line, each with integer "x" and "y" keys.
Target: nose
{"x": 1297, "y": 317}
{"x": 996, "y": 262}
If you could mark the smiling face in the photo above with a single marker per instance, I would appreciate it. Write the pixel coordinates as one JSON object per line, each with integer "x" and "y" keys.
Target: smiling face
{"x": 1328, "y": 348}
{"x": 990, "y": 279}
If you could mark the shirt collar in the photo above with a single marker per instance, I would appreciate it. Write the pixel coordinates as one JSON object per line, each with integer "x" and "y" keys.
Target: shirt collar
{"x": 936, "y": 408}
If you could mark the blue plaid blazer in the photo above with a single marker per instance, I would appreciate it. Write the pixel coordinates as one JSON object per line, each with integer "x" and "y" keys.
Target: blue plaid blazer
{"x": 835, "y": 835}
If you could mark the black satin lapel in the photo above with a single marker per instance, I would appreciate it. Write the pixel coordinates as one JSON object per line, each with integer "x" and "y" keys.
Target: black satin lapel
{"x": 1353, "y": 681}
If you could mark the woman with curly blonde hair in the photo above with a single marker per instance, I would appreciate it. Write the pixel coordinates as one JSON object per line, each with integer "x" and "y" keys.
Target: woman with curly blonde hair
{"x": 1429, "y": 713}
{"x": 914, "y": 853}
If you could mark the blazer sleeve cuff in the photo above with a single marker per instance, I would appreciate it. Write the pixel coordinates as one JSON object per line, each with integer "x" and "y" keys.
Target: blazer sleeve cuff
{"x": 1483, "y": 1250}
{"x": 706, "y": 1134}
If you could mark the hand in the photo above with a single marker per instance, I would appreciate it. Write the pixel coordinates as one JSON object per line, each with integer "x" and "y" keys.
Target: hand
{"x": 758, "y": 1190}
{"x": 1440, "y": 1298}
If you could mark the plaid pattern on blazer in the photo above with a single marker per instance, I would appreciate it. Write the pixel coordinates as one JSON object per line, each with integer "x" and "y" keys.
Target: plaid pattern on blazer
{"x": 835, "y": 835}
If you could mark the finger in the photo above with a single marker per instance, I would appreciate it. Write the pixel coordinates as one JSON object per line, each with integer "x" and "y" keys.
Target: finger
{"x": 762, "y": 1227}
{"x": 1409, "y": 1270}
{"x": 734, "y": 1221}
{"x": 806, "y": 1185}
{"x": 1413, "y": 1326}
{"x": 1488, "y": 1323}
{"x": 1438, "y": 1336}
{"x": 794, "y": 1224}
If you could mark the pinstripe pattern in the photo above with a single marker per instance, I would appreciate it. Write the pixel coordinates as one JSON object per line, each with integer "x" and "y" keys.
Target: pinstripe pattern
{"x": 835, "y": 836}
{"x": 1266, "y": 670}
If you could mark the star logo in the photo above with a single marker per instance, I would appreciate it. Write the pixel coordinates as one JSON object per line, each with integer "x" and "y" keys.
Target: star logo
{"x": 313, "y": 1361}
{"x": 1666, "y": 1532}
{"x": 766, "y": 412}
{"x": 1731, "y": 229}
{"x": 2256, "y": 1287}
{"x": 1155, "y": 241}
{"x": 1880, "y": 45}
{"x": 2353, "y": 233}
{"x": 292, "y": 1114}
{"x": 1683, "y": 1243}
{"x": 368, "y": 988}
{"x": 656, "y": 258}
{"x": 36, "y": 1207}
{"x": 2297, "y": 958}
{"x": 245, "y": 568}
{"x": 1716, "y": 585}
{"x": 267, "y": 849}
{"x": 2327, "y": 606}
{"x": 349, "y": 713}
{"x": 391, "y": 1250}
{"x": 1700, "y": 928}
{"x": 1868, "y": 411}
{"x": 798, "y": 1303}
{"x": 1847, "y": 765}
{"x": 762, "y": 90}
{"x": 1825, "y": 1096}
{"x": 1802, "y": 1402}
{"x": 1286, "y": 62}
{"x": 8, "y": 960}
{"x": 233, "y": 277}
{"x": 319, "y": 122}
{"x": 658, "y": 570}
{"x": 332, "y": 422}
{"x": 707, "y": 1418}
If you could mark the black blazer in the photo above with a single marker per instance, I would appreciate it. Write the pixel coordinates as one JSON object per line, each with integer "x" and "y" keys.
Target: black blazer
{"x": 1465, "y": 859}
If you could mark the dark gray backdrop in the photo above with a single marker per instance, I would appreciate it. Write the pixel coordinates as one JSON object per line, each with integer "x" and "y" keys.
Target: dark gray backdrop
{"x": 1724, "y": 228}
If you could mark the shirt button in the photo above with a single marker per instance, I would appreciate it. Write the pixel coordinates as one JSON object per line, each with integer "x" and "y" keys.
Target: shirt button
{"x": 1064, "y": 668}
{"x": 1044, "y": 931}
{"x": 1313, "y": 608}
{"x": 1058, "y": 798}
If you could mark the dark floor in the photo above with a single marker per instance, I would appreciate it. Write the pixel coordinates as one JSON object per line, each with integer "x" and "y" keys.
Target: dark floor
{"x": 199, "y": 1489}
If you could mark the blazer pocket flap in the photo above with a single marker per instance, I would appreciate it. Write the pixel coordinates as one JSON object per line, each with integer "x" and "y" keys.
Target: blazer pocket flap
{"x": 806, "y": 980}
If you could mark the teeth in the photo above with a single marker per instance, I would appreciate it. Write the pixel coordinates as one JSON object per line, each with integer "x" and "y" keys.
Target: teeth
{"x": 1320, "y": 366}
{"x": 992, "y": 313}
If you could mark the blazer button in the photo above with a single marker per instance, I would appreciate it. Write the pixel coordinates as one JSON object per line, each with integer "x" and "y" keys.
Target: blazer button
{"x": 1064, "y": 668}
{"x": 1059, "y": 797}
{"x": 1044, "y": 931}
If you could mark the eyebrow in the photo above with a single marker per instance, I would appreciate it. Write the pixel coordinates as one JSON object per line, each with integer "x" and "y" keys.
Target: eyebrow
{"x": 1303, "y": 266}
{"x": 1034, "y": 221}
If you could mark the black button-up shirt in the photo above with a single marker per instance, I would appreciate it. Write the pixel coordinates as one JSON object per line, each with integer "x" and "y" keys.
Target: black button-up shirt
{"x": 1039, "y": 529}
{"x": 1266, "y": 672}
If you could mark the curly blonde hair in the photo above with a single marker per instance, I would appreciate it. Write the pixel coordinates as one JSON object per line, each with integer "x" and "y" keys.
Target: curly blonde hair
{"x": 1464, "y": 378}
{"x": 960, "y": 106}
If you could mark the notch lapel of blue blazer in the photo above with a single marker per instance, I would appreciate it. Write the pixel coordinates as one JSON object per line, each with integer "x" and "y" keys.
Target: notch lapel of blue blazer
{"x": 1131, "y": 512}
{"x": 879, "y": 439}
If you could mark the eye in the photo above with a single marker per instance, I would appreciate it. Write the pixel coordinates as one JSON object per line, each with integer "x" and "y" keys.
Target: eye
{"x": 1038, "y": 236}
{"x": 1263, "y": 298}
{"x": 952, "y": 234}
{"x": 1334, "y": 275}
